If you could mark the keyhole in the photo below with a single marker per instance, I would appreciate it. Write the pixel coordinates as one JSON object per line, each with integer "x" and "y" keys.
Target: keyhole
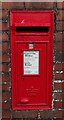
{"x": 23, "y": 78}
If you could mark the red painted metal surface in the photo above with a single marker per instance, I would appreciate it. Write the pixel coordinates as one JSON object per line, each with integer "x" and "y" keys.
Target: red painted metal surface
{"x": 31, "y": 91}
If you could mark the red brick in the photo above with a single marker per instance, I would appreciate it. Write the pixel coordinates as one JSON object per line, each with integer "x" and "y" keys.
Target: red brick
{"x": 0, "y": 36}
{"x": 59, "y": 66}
{"x": 6, "y": 105}
{"x": 6, "y": 114}
{"x": 0, "y": 87}
{"x": 12, "y": 5}
{"x": 4, "y": 47}
{"x": 59, "y": 86}
{"x": 5, "y": 58}
{"x": 59, "y": 26}
{"x": 24, "y": 114}
{"x": 0, "y": 105}
{"x": 5, "y": 77}
{"x": 60, "y": 15}
{"x": 4, "y": 68}
{"x": 59, "y": 96}
{"x": 58, "y": 104}
{"x": 0, "y": 5}
{"x": 60, "y": 5}
{"x": 6, "y": 96}
{"x": 58, "y": 113}
{"x": 39, "y": 5}
{"x": 0, "y": 77}
{"x": 0, "y": 67}
{"x": 0, "y": 14}
{"x": 0, "y": 95}
{"x": 46, "y": 114}
{"x": 4, "y": 26}
{"x": 59, "y": 56}
{"x": 4, "y": 37}
{"x": 6, "y": 87}
{"x": 59, "y": 37}
{"x": 4, "y": 14}
{"x": 57, "y": 118}
{"x": 59, "y": 47}
{"x": 59, "y": 76}
{"x": 1, "y": 49}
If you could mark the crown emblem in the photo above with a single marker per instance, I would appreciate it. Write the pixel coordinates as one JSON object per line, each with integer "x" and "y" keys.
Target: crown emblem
{"x": 32, "y": 91}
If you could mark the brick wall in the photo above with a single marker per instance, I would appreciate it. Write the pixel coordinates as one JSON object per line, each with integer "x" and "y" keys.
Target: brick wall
{"x": 58, "y": 63}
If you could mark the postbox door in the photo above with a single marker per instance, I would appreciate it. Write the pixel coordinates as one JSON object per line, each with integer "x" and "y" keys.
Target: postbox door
{"x": 31, "y": 70}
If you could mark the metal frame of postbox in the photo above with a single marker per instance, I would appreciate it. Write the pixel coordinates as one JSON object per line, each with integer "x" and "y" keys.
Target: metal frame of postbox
{"x": 42, "y": 38}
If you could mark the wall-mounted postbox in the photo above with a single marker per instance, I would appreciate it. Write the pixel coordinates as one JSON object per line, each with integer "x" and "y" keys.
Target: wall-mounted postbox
{"x": 31, "y": 35}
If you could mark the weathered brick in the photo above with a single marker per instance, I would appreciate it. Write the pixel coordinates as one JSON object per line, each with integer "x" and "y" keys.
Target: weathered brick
{"x": 12, "y": 5}
{"x": 0, "y": 77}
{"x": 0, "y": 67}
{"x": 58, "y": 113}
{"x": 59, "y": 66}
{"x": 59, "y": 47}
{"x": 39, "y": 5}
{"x": 4, "y": 68}
{"x": 4, "y": 47}
{"x": 5, "y": 77}
{"x": 27, "y": 119}
{"x": 59, "y": 96}
{"x": 6, "y": 114}
{"x": 59, "y": 26}
{"x": 0, "y": 36}
{"x": 59, "y": 56}
{"x": 0, "y": 24}
{"x": 5, "y": 37}
{"x": 59, "y": 104}
{"x": 4, "y": 26}
{"x": 24, "y": 114}
{"x": 60, "y": 15}
{"x": 0, "y": 105}
{"x": 5, "y": 58}
{"x": 6, "y": 96}
{"x": 59, "y": 37}
{"x": 57, "y": 118}
{"x": 0, "y": 5}
{"x": 1, "y": 50}
{"x": 6, "y": 87}
{"x": 46, "y": 114}
{"x": 0, "y": 14}
{"x": 4, "y": 14}
{"x": 6, "y": 105}
{"x": 60, "y": 5}
{"x": 59, "y": 86}
{"x": 0, "y": 95}
{"x": 59, "y": 76}
{"x": 0, "y": 87}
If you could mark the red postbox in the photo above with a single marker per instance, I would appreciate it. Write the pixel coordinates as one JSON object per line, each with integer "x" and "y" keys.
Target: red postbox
{"x": 31, "y": 35}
